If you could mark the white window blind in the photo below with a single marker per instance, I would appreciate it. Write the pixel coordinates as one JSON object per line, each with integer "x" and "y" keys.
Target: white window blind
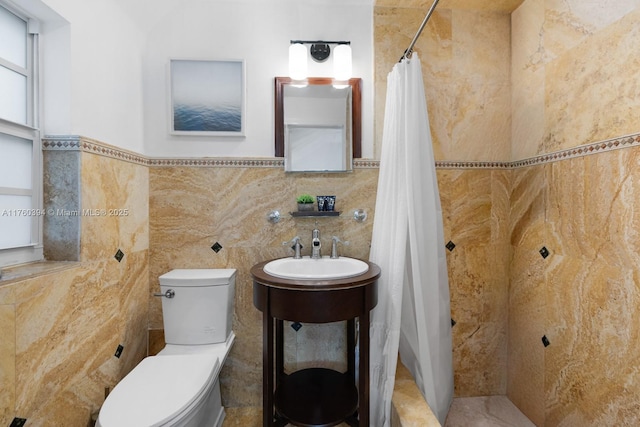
{"x": 20, "y": 149}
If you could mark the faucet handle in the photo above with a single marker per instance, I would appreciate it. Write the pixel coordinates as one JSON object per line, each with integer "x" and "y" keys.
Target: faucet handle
{"x": 292, "y": 241}
{"x": 334, "y": 246}
{"x": 295, "y": 245}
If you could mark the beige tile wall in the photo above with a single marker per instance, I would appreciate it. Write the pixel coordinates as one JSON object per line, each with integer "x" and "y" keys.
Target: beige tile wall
{"x": 61, "y": 330}
{"x": 478, "y": 279}
{"x": 466, "y": 77}
{"x": 574, "y": 82}
{"x": 194, "y": 207}
{"x": 574, "y": 79}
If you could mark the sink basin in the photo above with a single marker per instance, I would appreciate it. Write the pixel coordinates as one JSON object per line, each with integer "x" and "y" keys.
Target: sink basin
{"x": 316, "y": 269}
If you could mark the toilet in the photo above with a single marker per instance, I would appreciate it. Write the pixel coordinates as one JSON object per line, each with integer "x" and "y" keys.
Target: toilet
{"x": 179, "y": 386}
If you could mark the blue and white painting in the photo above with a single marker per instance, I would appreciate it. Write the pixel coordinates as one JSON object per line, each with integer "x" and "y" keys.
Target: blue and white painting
{"x": 207, "y": 97}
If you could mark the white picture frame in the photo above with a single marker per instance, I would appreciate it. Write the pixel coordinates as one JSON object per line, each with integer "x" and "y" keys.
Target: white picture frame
{"x": 207, "y": 97}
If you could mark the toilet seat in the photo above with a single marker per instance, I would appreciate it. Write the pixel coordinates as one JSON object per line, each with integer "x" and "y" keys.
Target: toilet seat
{"x": 159, "y": 389}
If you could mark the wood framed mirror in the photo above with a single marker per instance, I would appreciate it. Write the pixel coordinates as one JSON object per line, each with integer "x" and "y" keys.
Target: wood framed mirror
{"x": 293, "y": 116}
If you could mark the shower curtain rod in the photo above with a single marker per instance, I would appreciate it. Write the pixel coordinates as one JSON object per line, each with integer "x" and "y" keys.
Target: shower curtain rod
{"x": 409, "y": 51}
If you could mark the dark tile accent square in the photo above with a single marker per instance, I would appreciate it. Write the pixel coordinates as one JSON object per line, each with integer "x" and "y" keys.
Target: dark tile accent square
{"x": 119, "y": 255}
{"x": 216, "y": 247}
{"x": 453, "y": 323}
{"x": 451, "y": 246}
{"x": 544, "y": 252}
{"x": 18, "y": 422}
{"x": 296, "y": 326}
{"x": 545, "y": 341}
{"x": 119, "y": 351}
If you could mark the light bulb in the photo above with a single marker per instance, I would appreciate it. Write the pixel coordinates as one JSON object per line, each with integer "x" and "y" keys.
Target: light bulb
{"x": 297, "y": 61}
{"x": 342, "y": 67}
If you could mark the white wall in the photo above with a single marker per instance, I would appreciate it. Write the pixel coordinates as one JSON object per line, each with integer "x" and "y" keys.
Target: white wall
{"x": 259, "y": 32}
{"x": 93, "y": 74}
{"x": 107, "y": 70}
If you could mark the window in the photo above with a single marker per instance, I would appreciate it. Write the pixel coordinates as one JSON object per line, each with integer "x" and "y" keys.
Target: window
{"x": 20, "y": 148}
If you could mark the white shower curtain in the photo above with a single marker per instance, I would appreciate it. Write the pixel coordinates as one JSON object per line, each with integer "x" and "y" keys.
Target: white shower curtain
{"x": 413, "y": 311}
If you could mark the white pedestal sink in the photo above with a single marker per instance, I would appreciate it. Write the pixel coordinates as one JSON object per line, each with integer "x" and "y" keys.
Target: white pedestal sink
{"x": 324, "y": 268}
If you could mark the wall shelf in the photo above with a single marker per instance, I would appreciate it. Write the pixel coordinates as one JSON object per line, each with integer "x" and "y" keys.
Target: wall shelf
{"x": 314, "y": 213}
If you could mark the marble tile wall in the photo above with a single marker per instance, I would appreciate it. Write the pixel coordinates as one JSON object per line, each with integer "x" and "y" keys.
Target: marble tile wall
{"x": 584, "y": 296}
{"x": 61, "y": 329}
{"x": 527, "y": 313}
{"x": 575, "y": 82}
{"x": 573, "y": 74}
{"x": 194, "y": 207}
{"x": 592, "y": 292}
{"x": 7, "y": 354}
{"x": 62, "y": 192}
{"x": 478, "y": 275}
{"x": 466, "y": 76}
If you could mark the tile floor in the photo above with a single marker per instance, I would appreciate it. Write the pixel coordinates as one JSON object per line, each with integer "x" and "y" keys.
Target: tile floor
{"x": 491, "y": 411}
{"x": 248, "y": 417}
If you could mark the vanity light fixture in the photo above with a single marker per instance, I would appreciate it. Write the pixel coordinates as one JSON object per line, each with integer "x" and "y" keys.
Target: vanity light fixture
{"x": 320, "y": 51}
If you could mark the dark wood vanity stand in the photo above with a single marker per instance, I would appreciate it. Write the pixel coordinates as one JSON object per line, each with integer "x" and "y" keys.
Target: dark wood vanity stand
{"x": 315, "y": 397}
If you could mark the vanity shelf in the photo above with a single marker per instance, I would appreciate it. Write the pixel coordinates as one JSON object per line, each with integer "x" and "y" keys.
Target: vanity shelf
{"x": 316, "y": 397}
{"x": 314, "y": 213}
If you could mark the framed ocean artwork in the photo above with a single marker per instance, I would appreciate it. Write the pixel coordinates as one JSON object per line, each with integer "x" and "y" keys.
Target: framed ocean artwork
{"x": 207, "y": 97}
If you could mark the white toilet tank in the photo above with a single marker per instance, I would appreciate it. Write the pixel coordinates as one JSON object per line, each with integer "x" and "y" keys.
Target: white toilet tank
{"x": 201, "y": 309}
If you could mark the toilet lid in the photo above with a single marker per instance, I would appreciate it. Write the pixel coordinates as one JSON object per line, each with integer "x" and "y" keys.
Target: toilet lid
{"x": 157, "y": 390}
{"x": 197, "y": 277}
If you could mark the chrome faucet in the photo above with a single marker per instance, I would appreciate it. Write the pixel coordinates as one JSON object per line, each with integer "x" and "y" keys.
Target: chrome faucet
{"x": 296, "y": 246}
{"x": 334, "y": 246}
{"x": 316, "y": 245}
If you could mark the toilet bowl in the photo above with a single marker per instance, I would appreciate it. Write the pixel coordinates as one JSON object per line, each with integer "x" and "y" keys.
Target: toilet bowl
{"x": 179, "y": 387}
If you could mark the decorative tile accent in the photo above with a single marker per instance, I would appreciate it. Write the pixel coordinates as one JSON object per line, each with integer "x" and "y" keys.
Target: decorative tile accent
{"x": 366, "y": 164}
{"x": 451, "y": 246}
{"x": 544, "y": 252}
{"x": 296, "y": 326}
{"x": 583, "y": 150}
{"x": 453, "y": 323}
{"x": 18, "y": 422}
{"x": 118, "y": 352}
{"x": 81, "y": 143}
{"x": 221, "y": 162}
{"x": 62, "y": 143}
{"x": 545, "y": 341}
{"x": 472, "y": 165}
{"x": 216, "y": 247}
{"x": 88, "y": 145}
{"x": 119, "y": 255}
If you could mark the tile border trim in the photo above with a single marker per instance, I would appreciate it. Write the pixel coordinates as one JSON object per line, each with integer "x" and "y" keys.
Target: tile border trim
{"x": 240, "y": 162}
{"x": 88, "y": 145}
{"x": 61, "y": 143}
{"x": 626, "y": 141}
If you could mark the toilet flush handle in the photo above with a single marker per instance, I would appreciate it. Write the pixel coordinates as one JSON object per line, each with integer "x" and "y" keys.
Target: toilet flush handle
{"x": 169, "y": 294}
